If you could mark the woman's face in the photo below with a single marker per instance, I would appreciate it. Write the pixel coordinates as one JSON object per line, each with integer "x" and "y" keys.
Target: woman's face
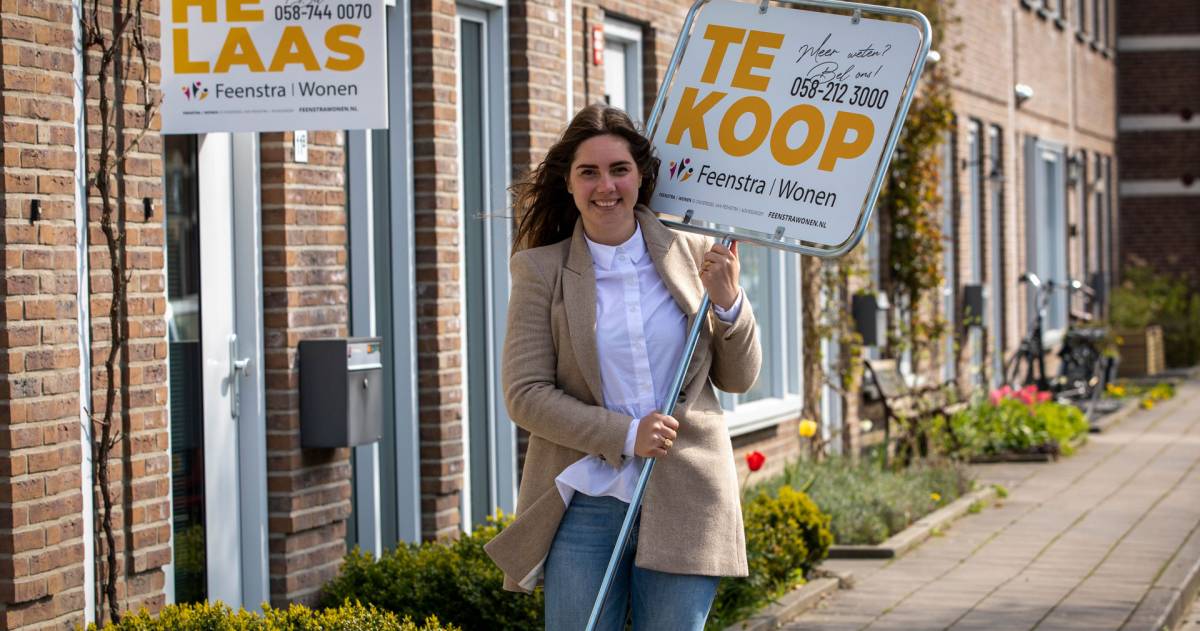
{"x": 604, "y": 182}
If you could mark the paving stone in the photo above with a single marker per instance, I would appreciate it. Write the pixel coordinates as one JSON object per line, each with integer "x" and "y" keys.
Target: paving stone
{"x": 1075, "y": 545}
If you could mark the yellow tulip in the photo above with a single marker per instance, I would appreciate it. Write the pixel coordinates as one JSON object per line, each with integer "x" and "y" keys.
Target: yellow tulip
{"x": 808, "y": 428}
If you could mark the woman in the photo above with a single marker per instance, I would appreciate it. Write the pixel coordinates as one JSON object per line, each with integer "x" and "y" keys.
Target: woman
{"x": 601, "y": 298}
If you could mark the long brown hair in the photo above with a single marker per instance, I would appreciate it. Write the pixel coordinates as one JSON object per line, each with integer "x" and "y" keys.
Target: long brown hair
{"x": 545, "y": 210}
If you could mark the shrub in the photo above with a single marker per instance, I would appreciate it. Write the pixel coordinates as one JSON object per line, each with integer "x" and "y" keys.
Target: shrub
{"x": 455, "y": 579}
{"x": 786, "y": 537}
{"x": 1145, "y": 297}
{"x": 867, "y": 503}
{"x": 219, "y": 617}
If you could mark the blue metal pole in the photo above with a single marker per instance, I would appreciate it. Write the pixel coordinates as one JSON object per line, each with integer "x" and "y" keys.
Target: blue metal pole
{"x": 635, "y": 502}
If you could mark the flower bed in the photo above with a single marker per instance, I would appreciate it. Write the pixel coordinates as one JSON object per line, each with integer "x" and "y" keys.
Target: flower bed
{"x": 1011, "y": 424}
{"x": 866, "y": 503}
{"x": 1148, "y": 396}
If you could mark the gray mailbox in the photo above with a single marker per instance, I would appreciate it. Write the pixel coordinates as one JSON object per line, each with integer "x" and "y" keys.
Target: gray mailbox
{"x": 341, "y": 392}
{"x": 974, "y": 299}
{"x": 870, "y": 317}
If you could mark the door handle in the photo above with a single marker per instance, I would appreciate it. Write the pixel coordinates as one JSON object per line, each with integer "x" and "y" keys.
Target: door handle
{"x": 238, "y": 368}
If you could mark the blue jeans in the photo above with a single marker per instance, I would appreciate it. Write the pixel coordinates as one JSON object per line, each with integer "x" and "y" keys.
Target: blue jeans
{"x": 575, "y": 568}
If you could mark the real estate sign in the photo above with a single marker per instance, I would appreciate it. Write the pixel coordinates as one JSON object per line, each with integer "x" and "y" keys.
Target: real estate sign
{"x": 779, "y": 122}
{"x": 273, "y": 65}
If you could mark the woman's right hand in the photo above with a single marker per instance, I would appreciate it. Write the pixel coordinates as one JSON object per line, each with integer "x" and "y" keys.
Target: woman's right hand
{"x": 655, "y": 435}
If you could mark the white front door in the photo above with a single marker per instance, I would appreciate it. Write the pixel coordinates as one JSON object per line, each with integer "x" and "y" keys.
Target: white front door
{"x": 210, "y": 370}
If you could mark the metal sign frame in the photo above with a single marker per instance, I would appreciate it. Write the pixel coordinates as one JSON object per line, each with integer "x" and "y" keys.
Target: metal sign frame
{"x": 777, "y": 240}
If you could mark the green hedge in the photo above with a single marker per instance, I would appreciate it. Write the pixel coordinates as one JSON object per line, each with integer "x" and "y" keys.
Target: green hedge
{"x": 1146, "y": 297}
{"x": 219, "y": 617}
{"x": 786, "y": 536}
{"x": 455, "y": 579}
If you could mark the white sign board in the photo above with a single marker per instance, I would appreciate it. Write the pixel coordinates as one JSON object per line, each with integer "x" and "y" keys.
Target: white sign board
{"x": 781, "y": 122}
{"x": 273, "y": 65}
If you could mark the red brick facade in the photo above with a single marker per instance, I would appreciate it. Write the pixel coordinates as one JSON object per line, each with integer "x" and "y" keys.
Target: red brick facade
{"x": 304, "y": 296}
{"x": 1160, "y": 228}
{"x": 306, "y": 289}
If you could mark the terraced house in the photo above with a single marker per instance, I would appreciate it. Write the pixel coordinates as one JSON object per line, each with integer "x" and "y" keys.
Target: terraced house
{"x": 241, "y": 245}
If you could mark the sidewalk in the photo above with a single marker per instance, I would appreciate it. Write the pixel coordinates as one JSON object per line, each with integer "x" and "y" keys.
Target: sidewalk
{"x": 1105, "y": 539}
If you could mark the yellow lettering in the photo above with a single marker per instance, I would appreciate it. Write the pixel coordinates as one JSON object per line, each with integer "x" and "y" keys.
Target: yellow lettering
{"x": 721, "y": 37}
{"x": 238, "y": 50}
{"x": 235, "y": 11}
{"x": 761, "y": 111}
{"x": 184, "y": 65}
{"x": 336, "y": 42}
{"x": 179, "y": 10}
{"x": 837, "y": 147}
{"x": 815, "y": 123}
{"x": 294, "y": 49}
{"x": 689, "y": 117}
{"x": 751, "y": 58}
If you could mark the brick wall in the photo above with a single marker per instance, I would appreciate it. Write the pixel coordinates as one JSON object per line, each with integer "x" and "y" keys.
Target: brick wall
{"x": 438, "y": 291}
{"x": 1156, "y": 155}
{"x": 41, "y": 532}
{"x": 304, "y": 295}
{"x": 1160, "y": 82}
{"x": 1161, "y": 231}
{"x": 41, "y": 503}
{"x": 1157, "y": 17}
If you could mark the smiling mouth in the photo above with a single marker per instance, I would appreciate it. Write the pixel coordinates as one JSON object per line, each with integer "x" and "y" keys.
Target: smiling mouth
{"x": 609, "y": 203}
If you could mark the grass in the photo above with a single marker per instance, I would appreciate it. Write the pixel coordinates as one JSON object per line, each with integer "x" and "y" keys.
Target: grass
{"x": 866, "y": 503}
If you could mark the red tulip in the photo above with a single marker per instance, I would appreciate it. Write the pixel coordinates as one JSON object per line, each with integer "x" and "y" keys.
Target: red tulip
{"x": 755, "y": 460}
{"x": 1043, "y": 396}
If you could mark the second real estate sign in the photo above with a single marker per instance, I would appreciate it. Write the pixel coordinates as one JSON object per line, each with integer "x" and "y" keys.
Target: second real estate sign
{"x": 273, "y": 65}
{"x": 780, "y": 121}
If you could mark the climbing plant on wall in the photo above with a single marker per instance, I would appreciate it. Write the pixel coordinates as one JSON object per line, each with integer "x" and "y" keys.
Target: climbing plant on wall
{"x": 908, "y": 218}
{"x": 909, "y": 206}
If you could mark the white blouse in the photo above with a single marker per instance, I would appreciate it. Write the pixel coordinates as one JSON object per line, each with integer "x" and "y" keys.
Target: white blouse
{"x": 640, "y": 333}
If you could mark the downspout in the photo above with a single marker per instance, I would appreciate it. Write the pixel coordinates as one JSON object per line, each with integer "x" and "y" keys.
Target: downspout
{"x": 83, "y": 318}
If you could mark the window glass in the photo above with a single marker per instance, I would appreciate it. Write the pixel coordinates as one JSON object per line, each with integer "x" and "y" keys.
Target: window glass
{"x": 757, "y": 283}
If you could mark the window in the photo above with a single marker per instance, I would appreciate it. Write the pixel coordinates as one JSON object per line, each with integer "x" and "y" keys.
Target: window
{"x": 975, "y": 173}
{"x": 1097, "y": 25}
{"x": 1046, "y": 231}
{"x": 995, "y": 181}
{"x": 1081, "y": 20}
{"x": 949, "y": 255}
{"x": 623, "y": 66}
{"x": 771, "y": 280}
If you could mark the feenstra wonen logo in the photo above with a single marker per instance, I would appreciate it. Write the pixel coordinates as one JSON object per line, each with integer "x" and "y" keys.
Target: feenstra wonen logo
{"x": 681, "y": 170}
{"x": 195, "y": 91}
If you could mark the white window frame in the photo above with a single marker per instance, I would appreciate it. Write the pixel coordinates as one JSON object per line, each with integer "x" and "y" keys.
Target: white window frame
{"x": 628, "y": 35}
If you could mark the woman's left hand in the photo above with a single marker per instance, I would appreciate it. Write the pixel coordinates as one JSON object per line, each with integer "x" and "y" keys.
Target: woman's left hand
{"x": 719, "y": 274}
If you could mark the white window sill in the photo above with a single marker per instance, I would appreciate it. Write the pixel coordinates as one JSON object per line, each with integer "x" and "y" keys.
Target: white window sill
{"x": 756, "y": 415}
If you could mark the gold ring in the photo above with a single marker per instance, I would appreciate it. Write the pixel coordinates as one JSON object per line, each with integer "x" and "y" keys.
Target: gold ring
{"x": 666, "y": 443}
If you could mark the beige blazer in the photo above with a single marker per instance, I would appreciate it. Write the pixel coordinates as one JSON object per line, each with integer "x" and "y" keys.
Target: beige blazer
{"x": 691, "y": 521}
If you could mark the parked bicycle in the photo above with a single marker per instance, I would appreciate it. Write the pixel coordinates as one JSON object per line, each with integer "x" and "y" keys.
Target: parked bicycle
{"x": 1083, "y": 369}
